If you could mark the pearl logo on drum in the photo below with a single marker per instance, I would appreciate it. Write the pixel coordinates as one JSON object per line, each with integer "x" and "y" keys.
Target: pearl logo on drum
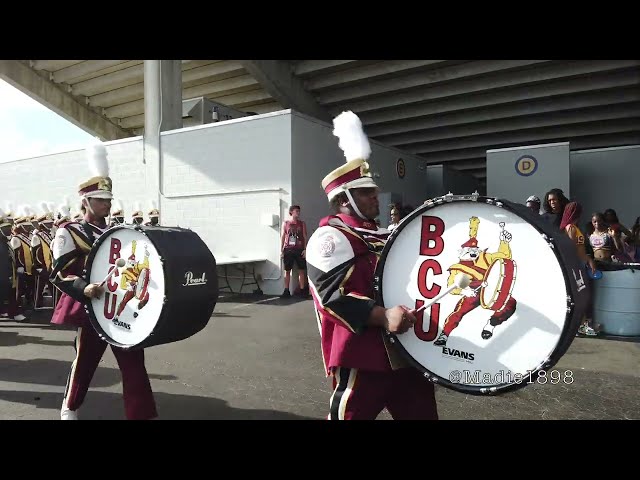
{"x": 190, "y": 280}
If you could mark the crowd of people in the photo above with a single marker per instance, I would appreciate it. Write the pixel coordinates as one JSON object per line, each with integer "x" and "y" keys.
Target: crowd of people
{"x": 601, "y": 240}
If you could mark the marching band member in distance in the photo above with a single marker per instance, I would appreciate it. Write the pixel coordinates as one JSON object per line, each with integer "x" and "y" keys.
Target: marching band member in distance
{"x": 154, "y": 215}
{"x": 71, "y": 247}
{"x": 368, "y": 374}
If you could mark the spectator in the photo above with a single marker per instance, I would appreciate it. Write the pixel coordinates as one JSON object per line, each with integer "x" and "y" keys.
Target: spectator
{"x": 292, "y": 245}
{"x": 533, "y": 203}
{"x": 611, "y": 219}
{"x": 601, "y": 240}
{"x": 554, "y": 203}
{"x": 395, "y": 218}
{"x": 569, "y": 225}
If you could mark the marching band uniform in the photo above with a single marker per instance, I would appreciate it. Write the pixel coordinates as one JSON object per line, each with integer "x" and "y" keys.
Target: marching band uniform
{"x": 12, "y": 309}
{"x": 342, "y": 254}
{"x": 117, "y": 214}
{"x": 72, "y": 245}
{"x": 154, "y": 216}
{"x": 41, "y": 252}
{"x": 22, "y": 229}
{"x": 137, "y": 217}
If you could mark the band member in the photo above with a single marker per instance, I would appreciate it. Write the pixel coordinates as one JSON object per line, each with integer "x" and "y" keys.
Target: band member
{"x": 64, "y": 215}
{"x": 129, "y": 280}
{"x": 22, "y": 230}
{"x": 137, "y": 217}
{"x": 475, "y": 263}
{"x": 368, "y": 374}
{"x": 11, "y": 310}
{"x": 71, "y": 247}
{"x": 154, "y": 215}
{"x": 41, "y": 252}
{"x": 117, "y": 215}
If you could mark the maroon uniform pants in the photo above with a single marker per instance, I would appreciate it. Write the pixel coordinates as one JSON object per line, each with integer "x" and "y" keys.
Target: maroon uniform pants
{"x": 362, "y": 395}
{"x": 466, "y": 304}
{"x": 139, "y": 403}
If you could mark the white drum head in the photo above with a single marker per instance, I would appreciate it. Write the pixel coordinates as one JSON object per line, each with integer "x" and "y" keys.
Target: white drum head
{"x": 134, "y": 324}
{"x": 518, "y": 345}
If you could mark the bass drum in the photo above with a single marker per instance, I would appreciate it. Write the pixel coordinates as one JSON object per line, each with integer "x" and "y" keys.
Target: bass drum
{"x": 518, "y": 316}
{"x": 166, "y": 291}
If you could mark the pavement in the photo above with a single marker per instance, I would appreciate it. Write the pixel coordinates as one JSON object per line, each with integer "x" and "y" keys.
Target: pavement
{"x": 259, "y": 358}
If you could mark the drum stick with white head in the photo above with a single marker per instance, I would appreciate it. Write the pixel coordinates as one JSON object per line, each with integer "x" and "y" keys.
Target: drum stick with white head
{"x": 461, "y": 281}
{"x": 121, "y": 262}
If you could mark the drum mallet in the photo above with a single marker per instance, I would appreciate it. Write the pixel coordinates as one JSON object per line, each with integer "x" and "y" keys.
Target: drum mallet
{"x": 121, "y": 262}
{"x": 461, "y": 281}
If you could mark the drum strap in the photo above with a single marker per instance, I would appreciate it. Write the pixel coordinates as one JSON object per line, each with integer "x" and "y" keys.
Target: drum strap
{"x": 88, "y": 231}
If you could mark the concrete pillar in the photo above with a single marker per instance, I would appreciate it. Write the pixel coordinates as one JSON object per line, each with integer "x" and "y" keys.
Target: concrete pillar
{"x": 162, "y": 111}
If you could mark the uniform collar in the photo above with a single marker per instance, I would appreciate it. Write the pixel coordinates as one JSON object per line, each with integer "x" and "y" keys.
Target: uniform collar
{"x": 357, "y": 222}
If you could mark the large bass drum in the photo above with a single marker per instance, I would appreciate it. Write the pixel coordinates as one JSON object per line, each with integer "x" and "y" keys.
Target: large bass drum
{"x": 518, "y": 316}
{"x": 166, "y": 291}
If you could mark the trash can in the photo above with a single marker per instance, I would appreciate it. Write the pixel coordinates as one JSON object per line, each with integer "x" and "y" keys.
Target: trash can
{"x": 616, "y": 299}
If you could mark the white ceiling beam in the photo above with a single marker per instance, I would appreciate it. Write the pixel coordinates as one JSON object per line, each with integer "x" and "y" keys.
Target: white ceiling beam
{"x": 53, "y": 97}
{"x": 66, "y": 75}
{"x": 288, "y": 90}
{"x": 52, "y": 65}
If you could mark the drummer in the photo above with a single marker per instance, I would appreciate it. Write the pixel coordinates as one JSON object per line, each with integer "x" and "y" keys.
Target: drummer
{"x": 72, "y": 244}
{"x": 368, "y": 374}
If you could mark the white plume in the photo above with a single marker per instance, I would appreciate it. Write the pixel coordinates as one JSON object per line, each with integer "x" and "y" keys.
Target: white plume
{"x": 44, "y": 208}
{"x": 137, "y": 207}
{"x": 118, "y": 206}
{"x": 26, "y": 211}
{"x": 97, "y": 157}
{"x": 353, "y": 141}
{"x": 10, "y": 208}
{"x": 67, "y": 201}
{"x": 2, "y": 213}
{"x": 64, "y": 211}
{"x": 51, "y": 207}
{"x": 153, "y": 205}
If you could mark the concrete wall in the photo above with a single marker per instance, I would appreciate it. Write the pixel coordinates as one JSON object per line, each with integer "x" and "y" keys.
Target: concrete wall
{"x": 442, "y": 180}
{"x": 315, "y": 152}
{"x": 506, "y": 180}
{"x": 52, "y": 177}
{"x": 607, "y": 178}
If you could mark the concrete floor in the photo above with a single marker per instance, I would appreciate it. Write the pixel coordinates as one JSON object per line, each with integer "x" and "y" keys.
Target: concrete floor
{"x": 262, "y": 361}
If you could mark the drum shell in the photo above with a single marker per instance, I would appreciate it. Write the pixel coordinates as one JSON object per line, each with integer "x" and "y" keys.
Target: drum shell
{"x": 186, "y": 309}
{"x": 578, "y": 292}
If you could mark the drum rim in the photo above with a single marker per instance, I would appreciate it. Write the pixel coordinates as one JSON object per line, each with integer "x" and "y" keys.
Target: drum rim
{"x": 89, "y": 305}
{"x": 554, "y": 355}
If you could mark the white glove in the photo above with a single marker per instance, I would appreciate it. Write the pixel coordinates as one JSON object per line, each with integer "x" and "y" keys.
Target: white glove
{"x": 468, "y": 292}
{"x": 505, "y": 236}
{"x": 20, "y": 269}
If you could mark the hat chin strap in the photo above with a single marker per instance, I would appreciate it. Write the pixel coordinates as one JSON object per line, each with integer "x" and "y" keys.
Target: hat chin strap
{"x": 353, "y": 205}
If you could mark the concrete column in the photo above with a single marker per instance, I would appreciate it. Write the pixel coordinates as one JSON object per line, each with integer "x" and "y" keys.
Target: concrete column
{"x": 162, "y": 111}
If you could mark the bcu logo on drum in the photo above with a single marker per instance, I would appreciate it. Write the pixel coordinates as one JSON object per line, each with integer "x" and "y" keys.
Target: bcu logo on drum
{"x": 526, "y": 165}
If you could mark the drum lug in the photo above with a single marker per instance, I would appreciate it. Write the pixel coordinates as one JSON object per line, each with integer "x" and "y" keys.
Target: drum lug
{"x": 164, "y": 299}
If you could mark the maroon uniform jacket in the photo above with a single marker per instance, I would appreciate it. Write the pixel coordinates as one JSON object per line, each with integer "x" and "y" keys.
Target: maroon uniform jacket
{"x": 342, "y": 255}
{"x": 71, "y": 247}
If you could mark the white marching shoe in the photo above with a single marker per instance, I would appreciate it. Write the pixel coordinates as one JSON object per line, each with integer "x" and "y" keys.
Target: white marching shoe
{"x": 66, "y": 414}
{"x": 19, "y": 318}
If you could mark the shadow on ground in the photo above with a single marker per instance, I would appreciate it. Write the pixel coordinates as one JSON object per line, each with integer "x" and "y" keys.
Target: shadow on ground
{"x": 109, "y": 406}
{"x": 44, "y": 371}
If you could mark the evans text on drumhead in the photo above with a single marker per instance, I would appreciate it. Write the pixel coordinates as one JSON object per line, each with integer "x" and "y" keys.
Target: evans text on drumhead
{"x": 521, "y": 310}
{"x": 165, "y": 292}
